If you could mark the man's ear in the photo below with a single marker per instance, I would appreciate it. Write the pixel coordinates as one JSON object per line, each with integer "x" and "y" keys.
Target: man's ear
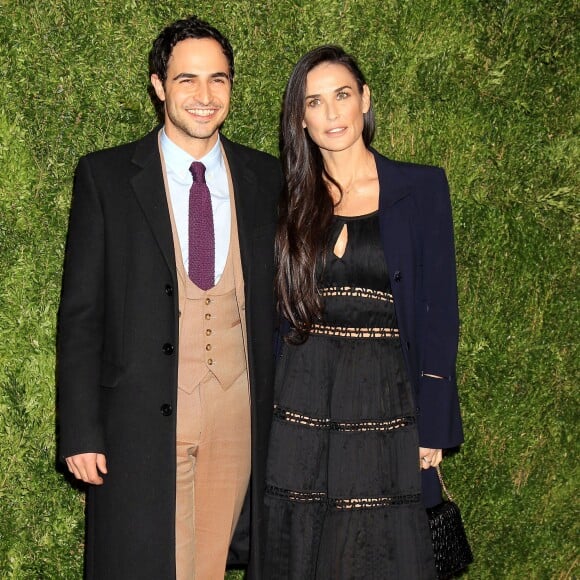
{"x": 158, "y": 86}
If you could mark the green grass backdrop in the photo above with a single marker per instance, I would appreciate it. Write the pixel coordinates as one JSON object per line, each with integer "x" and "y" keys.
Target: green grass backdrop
{"x": 486, "y": 88}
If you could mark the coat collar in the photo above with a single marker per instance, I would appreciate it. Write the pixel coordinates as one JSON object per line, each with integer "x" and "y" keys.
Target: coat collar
{"x": 244, "y": 180}
{"x": 392, "y": 185}
{"x": 149, "y": 189}
{"x": 245, "y": 194}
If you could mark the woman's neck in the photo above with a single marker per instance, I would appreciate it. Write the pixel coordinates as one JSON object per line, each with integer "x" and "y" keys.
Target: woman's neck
{"x": 355, "y": 171}
{"x": 346, "y": 166}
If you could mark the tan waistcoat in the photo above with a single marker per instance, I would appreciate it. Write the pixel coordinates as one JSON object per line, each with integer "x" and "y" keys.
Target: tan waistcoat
{"x": 212, "y": 325}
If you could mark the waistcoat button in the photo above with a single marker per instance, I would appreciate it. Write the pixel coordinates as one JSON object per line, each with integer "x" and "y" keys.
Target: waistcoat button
{"x": 208, "y": 347}
{"x": 208, "y": 316}
{"x": 208, "y": 332}
{"x": 209, "y": 361}
{"x": 208, "y": 301}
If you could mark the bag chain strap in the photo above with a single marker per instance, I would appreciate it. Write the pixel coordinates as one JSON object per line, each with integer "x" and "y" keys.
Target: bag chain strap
{"x": 443, "y": 486}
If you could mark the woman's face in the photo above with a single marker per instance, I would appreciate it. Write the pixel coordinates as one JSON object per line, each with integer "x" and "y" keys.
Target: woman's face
{"x": 334, "y": 107}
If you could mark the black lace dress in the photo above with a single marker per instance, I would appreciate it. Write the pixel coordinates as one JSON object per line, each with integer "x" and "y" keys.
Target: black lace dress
{"x": 343, "y": 489}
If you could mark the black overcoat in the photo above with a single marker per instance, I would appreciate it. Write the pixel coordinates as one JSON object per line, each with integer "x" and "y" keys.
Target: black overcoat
{"x": 118, "y": 341}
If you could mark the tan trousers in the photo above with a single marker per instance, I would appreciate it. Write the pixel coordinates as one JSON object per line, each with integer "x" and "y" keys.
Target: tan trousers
{"x": 213, "y": 471}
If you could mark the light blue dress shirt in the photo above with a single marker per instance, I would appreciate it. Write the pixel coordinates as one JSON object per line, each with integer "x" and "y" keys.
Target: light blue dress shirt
{"x": 179, "y": 180}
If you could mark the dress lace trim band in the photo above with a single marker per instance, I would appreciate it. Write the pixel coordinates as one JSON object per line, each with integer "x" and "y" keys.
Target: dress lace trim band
{"x": 348, "y": 426}
{"x": 341, "y": 503}
{"x": 357, "y": 292}
{"x": 354, "y": 331}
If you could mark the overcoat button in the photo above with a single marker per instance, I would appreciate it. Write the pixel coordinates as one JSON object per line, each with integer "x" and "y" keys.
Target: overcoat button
{"x": 168, "y": 289}
{"x": 166, "y": 409}
{"x": 168, "y": 348}
{"x": 397, "y": 276}
{"x": 408, "y": 345}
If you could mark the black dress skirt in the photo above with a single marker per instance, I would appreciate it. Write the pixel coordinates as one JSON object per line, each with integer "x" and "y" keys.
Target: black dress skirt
{"x": 343, "y": 484}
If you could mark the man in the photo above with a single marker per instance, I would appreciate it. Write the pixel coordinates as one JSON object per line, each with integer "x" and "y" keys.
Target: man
{"x": 165, "y": 327}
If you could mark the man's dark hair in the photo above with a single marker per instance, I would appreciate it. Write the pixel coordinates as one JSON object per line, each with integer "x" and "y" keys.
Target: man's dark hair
{"x": 192, "y": 27}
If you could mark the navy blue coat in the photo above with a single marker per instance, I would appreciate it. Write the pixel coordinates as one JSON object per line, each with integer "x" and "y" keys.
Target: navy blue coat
{"x": 417, "y": 237}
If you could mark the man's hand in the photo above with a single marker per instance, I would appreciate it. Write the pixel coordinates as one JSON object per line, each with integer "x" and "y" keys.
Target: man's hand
{"x": 429, "y": 457}
{"x": 88, "y": 467}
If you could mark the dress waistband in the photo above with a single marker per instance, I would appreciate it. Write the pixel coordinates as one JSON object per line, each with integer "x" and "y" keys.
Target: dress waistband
{"x": 357, "y": 292}
{"x": 354, "y": 331}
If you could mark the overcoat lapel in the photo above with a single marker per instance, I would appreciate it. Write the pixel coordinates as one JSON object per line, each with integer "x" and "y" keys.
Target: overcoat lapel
{"x": 149, "y": 189}
{"x": 393, "y": 225}
{"x": 399, "y": 246}
{"x": 245, "y": 184}
{"x": 392, "y": 187}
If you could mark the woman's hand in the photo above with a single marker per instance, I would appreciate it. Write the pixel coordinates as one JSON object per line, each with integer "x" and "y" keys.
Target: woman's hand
{"x": 429, "y": 457}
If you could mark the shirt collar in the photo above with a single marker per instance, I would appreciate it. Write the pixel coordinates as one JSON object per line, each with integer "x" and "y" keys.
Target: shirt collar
{"x": 177, "y": 161}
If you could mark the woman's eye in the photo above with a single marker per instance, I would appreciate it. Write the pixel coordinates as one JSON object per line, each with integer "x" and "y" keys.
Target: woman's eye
{"x": 342, "y": 95}
{"x": 314, "y": 102}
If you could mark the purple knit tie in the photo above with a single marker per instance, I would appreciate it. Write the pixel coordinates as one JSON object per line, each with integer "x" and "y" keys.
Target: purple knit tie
{"x": 201, "y": 232}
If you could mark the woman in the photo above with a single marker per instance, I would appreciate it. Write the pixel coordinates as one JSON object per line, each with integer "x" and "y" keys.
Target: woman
{"x": 365, "y": 393}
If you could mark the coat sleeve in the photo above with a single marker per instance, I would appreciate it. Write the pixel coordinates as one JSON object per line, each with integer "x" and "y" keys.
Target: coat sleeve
{"x": 439, "y": 418}
{"x": 80, "y": 322}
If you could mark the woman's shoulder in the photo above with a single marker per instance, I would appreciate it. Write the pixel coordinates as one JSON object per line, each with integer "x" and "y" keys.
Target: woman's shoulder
{"x": 407, "y": 169}
{"x": 427, "y": 182}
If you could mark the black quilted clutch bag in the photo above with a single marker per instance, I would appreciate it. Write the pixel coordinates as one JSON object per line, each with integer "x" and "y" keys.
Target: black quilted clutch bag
{"x": 450, "y": 545}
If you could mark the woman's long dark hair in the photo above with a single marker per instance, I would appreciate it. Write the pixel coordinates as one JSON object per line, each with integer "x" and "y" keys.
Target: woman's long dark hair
{"x": 306, "y": 206}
